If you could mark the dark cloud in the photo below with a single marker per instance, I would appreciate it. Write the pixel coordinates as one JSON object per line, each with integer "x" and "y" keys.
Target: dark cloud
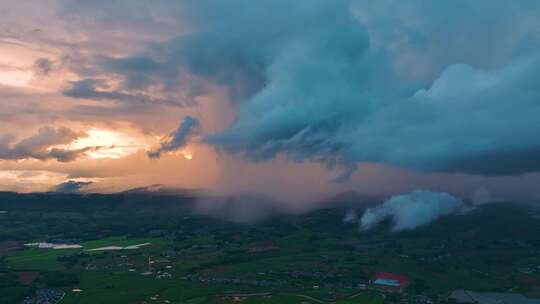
{"x": 446, "y": 87}
{"x": 178, "y": 138}
{"x": 41, "y": 145}
{"x": 136, "y": 69}
{"x": 63, "y": 155}
{"x": 469, "y": 120}
{"x": 226, "y": 47}
{"x": 331, "y": 96}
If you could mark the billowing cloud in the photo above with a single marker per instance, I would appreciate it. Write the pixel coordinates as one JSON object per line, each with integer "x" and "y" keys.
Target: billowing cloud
{"x": 408, "y": 211}
{"x": 344, "y": 82}
{"x": 41, "y": 145}
{"x": 456, "y": 124}
{"x": 329, "y": 97}
{"x": 178, "y": 138}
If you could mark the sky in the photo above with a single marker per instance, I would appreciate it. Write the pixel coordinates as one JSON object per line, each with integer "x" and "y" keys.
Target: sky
{"x": 295, "y": 99}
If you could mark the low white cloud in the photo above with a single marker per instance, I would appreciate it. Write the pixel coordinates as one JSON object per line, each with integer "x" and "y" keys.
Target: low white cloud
{"x": 408, "y": 211}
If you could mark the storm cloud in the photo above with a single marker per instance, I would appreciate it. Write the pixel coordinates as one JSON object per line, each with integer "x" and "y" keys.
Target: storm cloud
{"x": 330, "y": 97}
{"x": 441, "y": 86}
{"x": 344, "y": 82}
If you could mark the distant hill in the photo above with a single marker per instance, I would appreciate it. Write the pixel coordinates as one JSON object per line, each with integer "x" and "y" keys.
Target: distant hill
{"x": 491, "y": 221}
{"x": 494, "y": 221}
{"x": 159, "y": 189}
{"x": 126, "y": 203}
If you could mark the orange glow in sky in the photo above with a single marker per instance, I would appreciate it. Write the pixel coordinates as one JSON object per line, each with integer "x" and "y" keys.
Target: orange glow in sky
{"x": 108, "y": 144}
{"x": 15, "y": 78}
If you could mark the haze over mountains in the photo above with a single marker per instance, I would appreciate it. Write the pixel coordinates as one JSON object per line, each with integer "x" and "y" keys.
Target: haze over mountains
{"x": 407, "y": 211}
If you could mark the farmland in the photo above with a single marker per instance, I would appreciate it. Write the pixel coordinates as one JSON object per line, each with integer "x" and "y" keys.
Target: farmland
{"x": 308, "y": 258}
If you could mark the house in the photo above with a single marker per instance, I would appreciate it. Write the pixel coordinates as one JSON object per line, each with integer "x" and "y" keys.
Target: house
{"x": 390, "y": 281}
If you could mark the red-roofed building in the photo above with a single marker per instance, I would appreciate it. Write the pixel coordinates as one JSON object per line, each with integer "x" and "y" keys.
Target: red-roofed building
{"x": 390, "y": 281}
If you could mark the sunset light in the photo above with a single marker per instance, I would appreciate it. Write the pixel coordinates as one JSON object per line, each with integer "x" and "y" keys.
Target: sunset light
{"x": 269, "y": 151}
{"x": 107, "y": 144}
{"x": 15, "y": 78}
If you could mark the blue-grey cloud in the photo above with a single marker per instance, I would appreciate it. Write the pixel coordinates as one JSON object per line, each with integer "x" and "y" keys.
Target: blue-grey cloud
{"x": 469, "y": 120}
{"x": 329, "y": 96}
{"x": 178, "y": 138}
{"x": 448, "y": 86}
{"x": 136, "y": 69}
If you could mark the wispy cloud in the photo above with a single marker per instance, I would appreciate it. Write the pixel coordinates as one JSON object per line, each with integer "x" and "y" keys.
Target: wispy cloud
{"x": 41, "y": 145}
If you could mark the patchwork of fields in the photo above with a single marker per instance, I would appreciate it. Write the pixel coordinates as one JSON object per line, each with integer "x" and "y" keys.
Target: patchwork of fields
{"x": 311, "y": 258}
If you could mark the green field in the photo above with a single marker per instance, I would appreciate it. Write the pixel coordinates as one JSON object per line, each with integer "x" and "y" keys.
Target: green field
{"x": 307, "y": 258}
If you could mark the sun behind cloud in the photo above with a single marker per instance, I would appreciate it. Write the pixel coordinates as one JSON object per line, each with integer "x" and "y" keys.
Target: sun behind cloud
{"x": 15, "y": 78}
{"x": 108, "y": 144}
